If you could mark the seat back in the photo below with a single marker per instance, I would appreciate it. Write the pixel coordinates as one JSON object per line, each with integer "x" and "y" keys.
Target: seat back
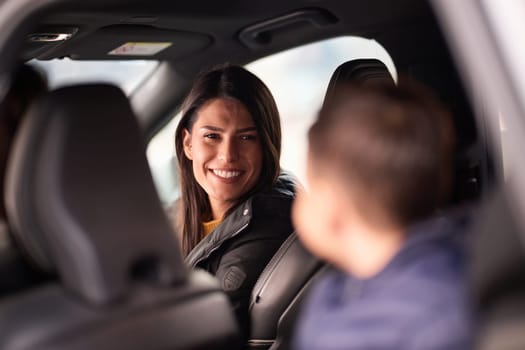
{"x": 278, "y": 292}
{"x": 363, "y": 71}
{"x": 81, "y": 202}
{"x": 277, "y": 296}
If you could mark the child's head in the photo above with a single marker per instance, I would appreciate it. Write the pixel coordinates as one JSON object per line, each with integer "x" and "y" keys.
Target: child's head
{"x": 380, "y": 158}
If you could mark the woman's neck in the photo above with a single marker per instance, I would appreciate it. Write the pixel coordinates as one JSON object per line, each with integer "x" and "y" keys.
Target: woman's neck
{"x": 219, "y": 209}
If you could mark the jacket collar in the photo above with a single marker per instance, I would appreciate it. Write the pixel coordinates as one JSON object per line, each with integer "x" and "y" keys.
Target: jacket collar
{"x": 234, "y": 224}
{"x": 238, "y": 220}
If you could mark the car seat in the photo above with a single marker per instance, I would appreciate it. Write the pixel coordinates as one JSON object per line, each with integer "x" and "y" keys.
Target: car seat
{"x": 82, "y": 204}
{"x": 363, "y": 71}
{"x": 277, "y": 294}
{"x": 276, "y": 297}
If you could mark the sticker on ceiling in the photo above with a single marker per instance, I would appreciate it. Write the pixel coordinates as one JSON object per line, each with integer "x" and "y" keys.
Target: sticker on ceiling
{"x": 139, "y": 49}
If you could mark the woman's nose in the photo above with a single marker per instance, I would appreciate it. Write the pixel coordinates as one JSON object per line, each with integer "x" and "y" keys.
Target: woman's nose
{"x": 229, "y": 151}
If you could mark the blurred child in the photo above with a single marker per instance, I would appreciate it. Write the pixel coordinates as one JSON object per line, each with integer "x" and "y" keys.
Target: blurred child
{"x": 379, "y": 164}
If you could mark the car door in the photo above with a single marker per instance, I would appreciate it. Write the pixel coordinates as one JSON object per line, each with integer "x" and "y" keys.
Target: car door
{"x": 486, "y": 40}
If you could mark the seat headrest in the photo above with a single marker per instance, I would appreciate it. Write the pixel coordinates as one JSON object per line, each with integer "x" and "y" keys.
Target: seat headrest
{"x": 363, "y": 71}
{"x": 80, "y": 196}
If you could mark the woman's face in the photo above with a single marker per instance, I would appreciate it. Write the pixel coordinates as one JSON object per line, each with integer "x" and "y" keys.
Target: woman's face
{"x": 225, "y": 150}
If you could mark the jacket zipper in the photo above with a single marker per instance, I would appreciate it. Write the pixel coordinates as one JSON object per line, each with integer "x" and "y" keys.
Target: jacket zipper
{"x": 217, "y": 246}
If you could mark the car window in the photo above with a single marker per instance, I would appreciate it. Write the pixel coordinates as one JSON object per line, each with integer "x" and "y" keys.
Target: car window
{"x": 297, "y": 79}
{"x": 125, "y": 74}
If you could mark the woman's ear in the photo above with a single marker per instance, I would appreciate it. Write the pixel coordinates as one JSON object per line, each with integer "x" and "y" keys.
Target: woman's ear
{"x": 186, "y": 143}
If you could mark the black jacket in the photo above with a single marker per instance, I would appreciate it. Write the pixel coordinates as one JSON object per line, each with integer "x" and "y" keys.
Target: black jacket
{"x": 237, "y": 251}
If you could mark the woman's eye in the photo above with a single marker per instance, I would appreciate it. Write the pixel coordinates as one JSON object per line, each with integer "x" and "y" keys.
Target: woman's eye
{"x": 212, "y": 136}
{"x": 248, "y": 137}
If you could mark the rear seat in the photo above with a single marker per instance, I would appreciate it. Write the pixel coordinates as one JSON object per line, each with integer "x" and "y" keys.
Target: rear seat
{"x": 276, "y": 297}
{"x": 82, "y": 203}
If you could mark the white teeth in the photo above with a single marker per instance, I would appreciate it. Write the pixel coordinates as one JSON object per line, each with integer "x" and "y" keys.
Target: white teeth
{"x": 226, "y": 174}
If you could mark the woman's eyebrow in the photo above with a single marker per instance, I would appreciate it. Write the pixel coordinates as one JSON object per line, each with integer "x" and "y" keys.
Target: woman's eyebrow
{"x": 251, "y": 128}
{"x": 212, "y": 128}
{"x": 238, "y": 131}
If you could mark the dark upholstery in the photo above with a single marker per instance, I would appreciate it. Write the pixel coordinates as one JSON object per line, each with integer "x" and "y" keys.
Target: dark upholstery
{"x": 278, "y": 292}
{"x": 363, "y": 71}
{"x": 277, "y": 296}
{"x": 79, "y": 191}
{"x": 82, "y": 203}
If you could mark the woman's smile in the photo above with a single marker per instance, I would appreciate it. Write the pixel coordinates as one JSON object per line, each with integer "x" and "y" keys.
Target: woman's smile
{"x": 226, "y": 174}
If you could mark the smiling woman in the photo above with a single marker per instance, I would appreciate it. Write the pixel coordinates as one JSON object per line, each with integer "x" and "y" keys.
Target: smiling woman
{"x": 225, "y": 152}
{"x": 234, "y": 210}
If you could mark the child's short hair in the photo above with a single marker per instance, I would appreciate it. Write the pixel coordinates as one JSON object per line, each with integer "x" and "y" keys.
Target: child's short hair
{"x": 391, "y": 147}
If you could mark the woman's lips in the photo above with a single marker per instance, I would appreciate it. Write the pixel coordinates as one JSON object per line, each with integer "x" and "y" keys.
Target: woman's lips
{"x": 227, "y": 175}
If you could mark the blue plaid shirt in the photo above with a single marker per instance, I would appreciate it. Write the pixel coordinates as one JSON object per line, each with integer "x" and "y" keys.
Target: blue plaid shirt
{"x": 418, "y": 301}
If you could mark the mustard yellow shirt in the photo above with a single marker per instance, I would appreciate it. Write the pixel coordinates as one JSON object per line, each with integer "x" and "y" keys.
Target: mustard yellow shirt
{"x": 210, "y": 226}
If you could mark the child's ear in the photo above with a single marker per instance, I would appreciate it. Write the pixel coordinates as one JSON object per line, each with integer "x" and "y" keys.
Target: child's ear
{"x": 186, "y": 143}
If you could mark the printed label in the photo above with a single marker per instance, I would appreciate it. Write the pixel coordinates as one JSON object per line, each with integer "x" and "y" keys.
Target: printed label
{"x": 139, "y": 49}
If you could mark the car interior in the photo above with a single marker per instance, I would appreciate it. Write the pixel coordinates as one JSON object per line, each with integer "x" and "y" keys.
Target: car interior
{"x": 107, "y": 273}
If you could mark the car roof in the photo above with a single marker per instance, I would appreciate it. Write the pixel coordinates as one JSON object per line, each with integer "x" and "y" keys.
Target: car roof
{"x": 198, "y": 34}
{"x": 203, "y": 31}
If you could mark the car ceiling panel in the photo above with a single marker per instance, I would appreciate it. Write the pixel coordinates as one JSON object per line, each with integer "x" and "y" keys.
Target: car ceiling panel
{"x": 188, "y": 23}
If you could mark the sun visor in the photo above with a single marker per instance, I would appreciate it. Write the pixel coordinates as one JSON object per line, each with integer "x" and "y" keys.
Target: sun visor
{"x": 130, "y": 42}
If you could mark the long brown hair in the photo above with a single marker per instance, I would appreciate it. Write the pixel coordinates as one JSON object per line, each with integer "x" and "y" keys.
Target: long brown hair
{"x": 231, "y": 82}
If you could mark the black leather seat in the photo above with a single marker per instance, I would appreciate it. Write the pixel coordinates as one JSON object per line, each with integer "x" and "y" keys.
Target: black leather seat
{"x": 82, "y": 203}
{"x": 363, "y": 71}
{"x": 278, "y": 292}
{"x": 277, "y": 296}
